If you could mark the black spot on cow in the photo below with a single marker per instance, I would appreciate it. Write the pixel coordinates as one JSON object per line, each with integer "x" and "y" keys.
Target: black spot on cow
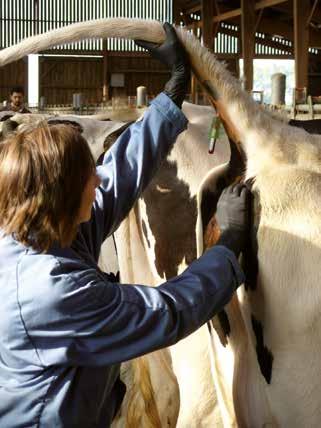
{"x": 311, "y": 126}
{"x": 5, "y": 117}
{"x": 109, "y": 141}
{"x": 100, "y": 160}
{"x": 145, "y": 232}
{"x": 171, "y": 213}
{"x": 72, "y": 123}
{"x": 224, "y": 322}
{"x": 7, "y": 128}
{"x": 111, "y": 138}
{"x": 115, "y": 277}
{"x": 249, "y": 257}
{"x": 264, "y": 355}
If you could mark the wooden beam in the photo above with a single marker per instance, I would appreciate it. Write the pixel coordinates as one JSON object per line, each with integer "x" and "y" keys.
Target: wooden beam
{"x": 227, "y": 15}
{"x": 237, "y": 12}
{"x": 312, "y": 12}
{"x": 208, "y": 25}
{"x": 287, "y": 8}
{"x": 267, "y": 41}
{"x": 268, "y": 3}
{"x": 271, "y": 26}
{"x": 194, "y": 9}
{"x": 248, "y": 41}
{"x": 301, "y": 11}
{"x": 258, "y": 20}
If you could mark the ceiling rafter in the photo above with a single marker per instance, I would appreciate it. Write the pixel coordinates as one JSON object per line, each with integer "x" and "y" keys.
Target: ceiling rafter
{"x": 272, "y": 26}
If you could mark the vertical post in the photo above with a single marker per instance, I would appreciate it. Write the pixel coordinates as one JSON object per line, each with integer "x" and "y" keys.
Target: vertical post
{"x": 176, "y": 12}
{"x": 105, "y": 72}
{"x": 301, "y": 10}
{"x": 26, "y": 78}
{"x": 217, "y": 24}
{"x": 207, "y": 21}
{"x": 248, "y": 41}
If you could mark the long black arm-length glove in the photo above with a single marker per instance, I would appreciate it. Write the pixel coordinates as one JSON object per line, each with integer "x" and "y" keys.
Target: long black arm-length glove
{"x": 172, "y": 54}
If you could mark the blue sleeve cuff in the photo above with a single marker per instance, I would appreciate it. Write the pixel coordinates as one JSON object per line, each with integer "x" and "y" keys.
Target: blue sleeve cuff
{"x": 221, "y": 250}
{"x": 170, "y": 110}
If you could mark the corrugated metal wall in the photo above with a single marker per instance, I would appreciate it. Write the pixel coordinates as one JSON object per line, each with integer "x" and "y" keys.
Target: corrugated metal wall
{"x": 18, "y": 18}
{"x": 16, "y": 21}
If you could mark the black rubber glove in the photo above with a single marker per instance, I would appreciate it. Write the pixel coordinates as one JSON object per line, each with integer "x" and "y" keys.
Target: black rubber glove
{"x": 172, "y": 54}
{"x": 233, "y": 217}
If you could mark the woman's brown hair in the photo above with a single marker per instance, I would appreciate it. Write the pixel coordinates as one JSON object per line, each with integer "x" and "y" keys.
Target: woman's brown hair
{"x": 43, "y": 172}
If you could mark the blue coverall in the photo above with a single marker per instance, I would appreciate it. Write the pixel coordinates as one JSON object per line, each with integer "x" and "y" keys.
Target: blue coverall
{"x": 65, "y": 328}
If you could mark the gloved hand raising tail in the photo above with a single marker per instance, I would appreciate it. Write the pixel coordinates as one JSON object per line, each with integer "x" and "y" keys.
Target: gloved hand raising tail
{"x": 173, "y": 55}
{"x": 233, "y": 217}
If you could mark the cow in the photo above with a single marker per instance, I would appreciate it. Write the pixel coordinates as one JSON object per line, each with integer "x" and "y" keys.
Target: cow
{"x": 271, "y": 346}
{"x": 156, "y": 242}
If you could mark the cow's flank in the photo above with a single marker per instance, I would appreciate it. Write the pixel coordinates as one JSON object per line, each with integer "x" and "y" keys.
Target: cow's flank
{"x": 163, "y": 196}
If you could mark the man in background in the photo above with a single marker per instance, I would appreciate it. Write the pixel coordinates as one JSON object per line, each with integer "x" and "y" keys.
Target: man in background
{"x": 16, "y": 103}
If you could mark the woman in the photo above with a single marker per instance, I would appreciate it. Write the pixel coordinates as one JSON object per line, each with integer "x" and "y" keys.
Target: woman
{"x": 65, "y": 327}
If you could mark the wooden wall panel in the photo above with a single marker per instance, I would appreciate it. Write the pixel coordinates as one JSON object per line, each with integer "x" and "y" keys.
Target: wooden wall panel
{"x": 60, "y": 77}
{"x": 140, "y": 71}
{"x": 14, "y": 74}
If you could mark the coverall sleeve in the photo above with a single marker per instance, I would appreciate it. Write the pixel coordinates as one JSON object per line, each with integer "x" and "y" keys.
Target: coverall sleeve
{"x": 87, "y": 321}
{"x": 128, "y": 167}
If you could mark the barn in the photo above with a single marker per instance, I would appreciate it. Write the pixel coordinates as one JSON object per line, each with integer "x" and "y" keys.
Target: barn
{"x": 101, "y": 70}
{"x": 160, "y": 228}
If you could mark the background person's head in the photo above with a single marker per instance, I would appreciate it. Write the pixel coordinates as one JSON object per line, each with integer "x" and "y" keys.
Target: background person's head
{"x": 17, "y": 97}
{"x": 47, "y": 185}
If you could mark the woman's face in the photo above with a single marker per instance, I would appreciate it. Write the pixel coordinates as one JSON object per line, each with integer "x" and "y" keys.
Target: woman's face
{"x": 88, "y": 197}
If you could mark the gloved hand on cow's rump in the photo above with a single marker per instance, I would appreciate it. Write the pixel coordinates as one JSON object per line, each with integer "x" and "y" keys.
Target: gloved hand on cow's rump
{"x": 233, "y": 217}
{"x": 172, "y": 54}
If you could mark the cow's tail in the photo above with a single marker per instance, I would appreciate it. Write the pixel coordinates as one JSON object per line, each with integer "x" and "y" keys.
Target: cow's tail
{"x": 142, "y": 404}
